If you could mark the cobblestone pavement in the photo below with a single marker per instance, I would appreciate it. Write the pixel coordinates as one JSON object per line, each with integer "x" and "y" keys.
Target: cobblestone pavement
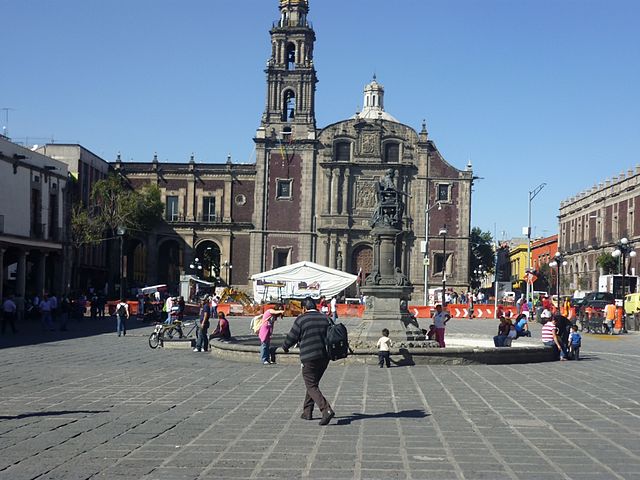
{"x": 91, "y": 405}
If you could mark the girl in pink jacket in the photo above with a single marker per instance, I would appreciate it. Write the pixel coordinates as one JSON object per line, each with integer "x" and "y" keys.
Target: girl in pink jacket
{"x": 266, "y": 330}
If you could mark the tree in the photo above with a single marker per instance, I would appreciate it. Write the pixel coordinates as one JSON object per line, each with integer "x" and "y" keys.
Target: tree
{"x": 85, "y": 229}
{"x": 482, "y": 255}
{"x": 607, "y": 263}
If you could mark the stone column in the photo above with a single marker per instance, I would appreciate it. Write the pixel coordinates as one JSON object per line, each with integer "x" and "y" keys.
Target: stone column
{"x": 345, "y": 191}
{"x": 334, "y": 191}
{"x": 42, "y": 271}
{"x": 21, "y": 274}
{"x": 332, "y": 253}
{"x": 327, "y": 197}
{"x": 228, "y": 193}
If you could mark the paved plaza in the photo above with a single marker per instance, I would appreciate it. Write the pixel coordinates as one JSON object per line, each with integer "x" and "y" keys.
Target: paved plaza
{"x": 87, "y": 404}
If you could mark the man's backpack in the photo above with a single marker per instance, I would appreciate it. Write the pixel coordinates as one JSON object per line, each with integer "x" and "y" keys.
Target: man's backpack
{"x": 337, "y": 341}
{"x": 122, "y": 310}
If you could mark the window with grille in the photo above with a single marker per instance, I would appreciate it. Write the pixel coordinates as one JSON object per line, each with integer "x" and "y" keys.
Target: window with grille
{"x": 172, "y": 208}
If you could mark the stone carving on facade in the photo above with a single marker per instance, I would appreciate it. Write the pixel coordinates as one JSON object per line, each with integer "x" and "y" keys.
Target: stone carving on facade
{"x": 369, "y": 144}
{"x": 366, "y": 196}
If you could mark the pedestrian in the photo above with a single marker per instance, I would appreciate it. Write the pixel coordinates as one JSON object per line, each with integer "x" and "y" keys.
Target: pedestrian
{"x": 324, "y": 306}
{"x": 102, "y": 303}
{"x": 334, "y": 308}
{"x": 181, "y": 306}
{"x": 122, "y": 314}
{"x": 575, "y": 342}
{"x": 503, "y": 332}
{"x": 384, "y": 344}
{"x": 309, "y": 331}
{"x": 609, "y": 316}
{"x": 564, "y": 328}
{"x": 440, "y": 319}
{"x": 53, "y": 301}
{"x": 214, "y": 306}
{"x": 549, "y": 336}
{"x": 9, "y": 309}
{"x": 45, "y": 313}
{"x": 264, "y": 334}
{"x": 65, "y": 310}
{"x": 222, "y": 329}
{"x": 202, "y": 340}
{"x": 522, "y": 326}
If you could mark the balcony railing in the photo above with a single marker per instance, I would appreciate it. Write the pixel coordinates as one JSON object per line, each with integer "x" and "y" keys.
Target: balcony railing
{"x": 208, "y": 218}
{"x": 202, "y": 218}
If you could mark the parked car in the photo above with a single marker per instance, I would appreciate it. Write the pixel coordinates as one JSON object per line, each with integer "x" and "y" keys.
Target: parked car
{"x": 598, "y": 296}
{"x": 632, "y": 303}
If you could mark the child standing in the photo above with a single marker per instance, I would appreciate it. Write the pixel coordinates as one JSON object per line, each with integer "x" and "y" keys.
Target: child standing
{"x": 384, "y": 344}
{"x": 575, "y": 341}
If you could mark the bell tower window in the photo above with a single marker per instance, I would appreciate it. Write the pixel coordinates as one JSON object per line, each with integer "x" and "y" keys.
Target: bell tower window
{"x": 291, "y": 56}
{"x": 289, "y": 110}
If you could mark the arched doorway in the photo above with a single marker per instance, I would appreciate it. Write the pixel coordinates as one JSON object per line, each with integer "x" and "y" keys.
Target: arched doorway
{"x": 170, "y": 264}
{"x": 136, "y": 263}
{"x": 208, "y": 254}
{"x": 362, "y": 262}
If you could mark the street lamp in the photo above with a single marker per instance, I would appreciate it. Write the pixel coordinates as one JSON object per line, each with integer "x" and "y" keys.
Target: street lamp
{"x": 196, "y": 266}
{"x": 120, "y": 231}
{"x": 443, "y": 232}
{"x": 558, "y": 260}
{"x": 532, "y": 194}
{"x": 426, "y": 248}
{"x": 227, "y": 266}
{"x": 623, "y": 249}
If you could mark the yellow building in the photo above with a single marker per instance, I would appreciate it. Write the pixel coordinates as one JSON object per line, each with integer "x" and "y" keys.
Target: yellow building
{"x": 518, "y": 262}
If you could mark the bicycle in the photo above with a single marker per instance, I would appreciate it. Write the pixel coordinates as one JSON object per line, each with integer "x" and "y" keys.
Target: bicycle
{"x": 163, "y": 330}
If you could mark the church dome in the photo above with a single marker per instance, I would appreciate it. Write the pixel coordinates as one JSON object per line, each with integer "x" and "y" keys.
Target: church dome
{"x": 373, "y": 105}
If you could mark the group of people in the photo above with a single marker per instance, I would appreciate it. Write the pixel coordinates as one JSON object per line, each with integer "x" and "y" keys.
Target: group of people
{"x": 558, "y": 332}
{"x": 509, "y": 329}
{"x": 50, "y": 310}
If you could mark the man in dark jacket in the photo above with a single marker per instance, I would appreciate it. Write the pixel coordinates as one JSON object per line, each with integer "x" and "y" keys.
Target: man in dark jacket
{"x": 309, "y": 331}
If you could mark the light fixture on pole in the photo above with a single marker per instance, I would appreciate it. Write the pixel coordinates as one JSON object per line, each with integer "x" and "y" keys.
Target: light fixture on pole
{"x": 425, "y": 248}
{"x": 443, "y": 232}
{"x": 532, "y": 194}
{"x": 228, "y": 267}
{"x": 558, "y": 261}
{"x": 623, "y": 249}
{"x": 120, "y": 231}
{"x": 196, "y": 266}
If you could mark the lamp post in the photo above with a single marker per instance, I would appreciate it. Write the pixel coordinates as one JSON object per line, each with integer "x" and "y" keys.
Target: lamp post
{"x": 443, "y": 232}
{"x": 558, "y": 261}
{"x": 228, "y": 267}
{"x": 427, "y": 209}
{"x": 532, "y": 194}
{"x": 623, "y": 249}
{"x": 196, "y": 266}
{"x": 120, "y": 231}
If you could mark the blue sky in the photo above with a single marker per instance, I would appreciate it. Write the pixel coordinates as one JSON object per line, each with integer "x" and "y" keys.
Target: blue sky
{"x": 531, "y": 91}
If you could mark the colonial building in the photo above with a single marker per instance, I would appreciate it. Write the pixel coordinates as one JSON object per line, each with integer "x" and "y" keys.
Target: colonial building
{"x": 593, "y": 222}
{"x": 33, "y": 221}
{"x": 311, "y": 193}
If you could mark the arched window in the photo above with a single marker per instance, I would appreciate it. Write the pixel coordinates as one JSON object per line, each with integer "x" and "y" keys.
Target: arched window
{"x": 289, "y": 106}
{"x": 291, "y": 56}
{"x": 392, "y": 152}
{"x": 342, "y": 151}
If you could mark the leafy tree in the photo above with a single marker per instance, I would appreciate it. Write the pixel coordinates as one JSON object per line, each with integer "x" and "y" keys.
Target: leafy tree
{"x": 607, "y": 263}
{"x": 544, "y": 278}
{"x": 482, "y": 255}
{"x": 85, "y": 229}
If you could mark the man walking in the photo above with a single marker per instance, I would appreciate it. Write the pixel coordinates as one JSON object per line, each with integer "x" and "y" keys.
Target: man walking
{"x": 309, "y": 331}
{"x": 122, "y": 314}
{"x": 9, "y": 314}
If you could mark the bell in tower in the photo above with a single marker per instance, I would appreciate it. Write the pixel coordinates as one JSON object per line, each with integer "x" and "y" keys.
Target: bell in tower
{"x": 291, "y": 76}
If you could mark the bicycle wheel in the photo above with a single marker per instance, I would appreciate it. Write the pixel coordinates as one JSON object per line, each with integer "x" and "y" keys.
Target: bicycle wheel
{"x": 154, "y": 341}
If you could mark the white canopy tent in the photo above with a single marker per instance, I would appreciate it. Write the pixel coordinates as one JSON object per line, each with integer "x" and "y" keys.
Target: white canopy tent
{"x": 300, "y": 280}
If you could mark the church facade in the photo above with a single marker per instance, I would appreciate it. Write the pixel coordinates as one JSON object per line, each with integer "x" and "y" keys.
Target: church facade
{"x": 311, "y": 193}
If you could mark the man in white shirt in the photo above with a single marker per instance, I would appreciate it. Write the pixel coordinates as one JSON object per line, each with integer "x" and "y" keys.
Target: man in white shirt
{"x": 334, "y": 304}
{"x": 45, "y": 313}
{"x": 9, "y": 314}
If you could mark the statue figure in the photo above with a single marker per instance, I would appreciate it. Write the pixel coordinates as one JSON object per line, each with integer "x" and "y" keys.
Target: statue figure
{"x": 390, "y": 207}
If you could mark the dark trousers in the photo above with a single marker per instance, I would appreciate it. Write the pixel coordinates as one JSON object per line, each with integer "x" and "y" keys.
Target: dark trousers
{"x": 312, "y": 372}
{"x": 9, "y": 318}
{"x": 383, "y": 357}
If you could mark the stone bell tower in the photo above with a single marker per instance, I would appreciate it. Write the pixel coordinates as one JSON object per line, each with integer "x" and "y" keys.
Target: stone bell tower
{"x": 286, "y": 145}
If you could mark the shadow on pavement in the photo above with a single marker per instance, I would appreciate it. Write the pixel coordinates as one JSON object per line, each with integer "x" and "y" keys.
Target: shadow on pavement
{"x": 31, "y": 332}
{"x": 363, "y": 416}
{"x": 52, "y": 413}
